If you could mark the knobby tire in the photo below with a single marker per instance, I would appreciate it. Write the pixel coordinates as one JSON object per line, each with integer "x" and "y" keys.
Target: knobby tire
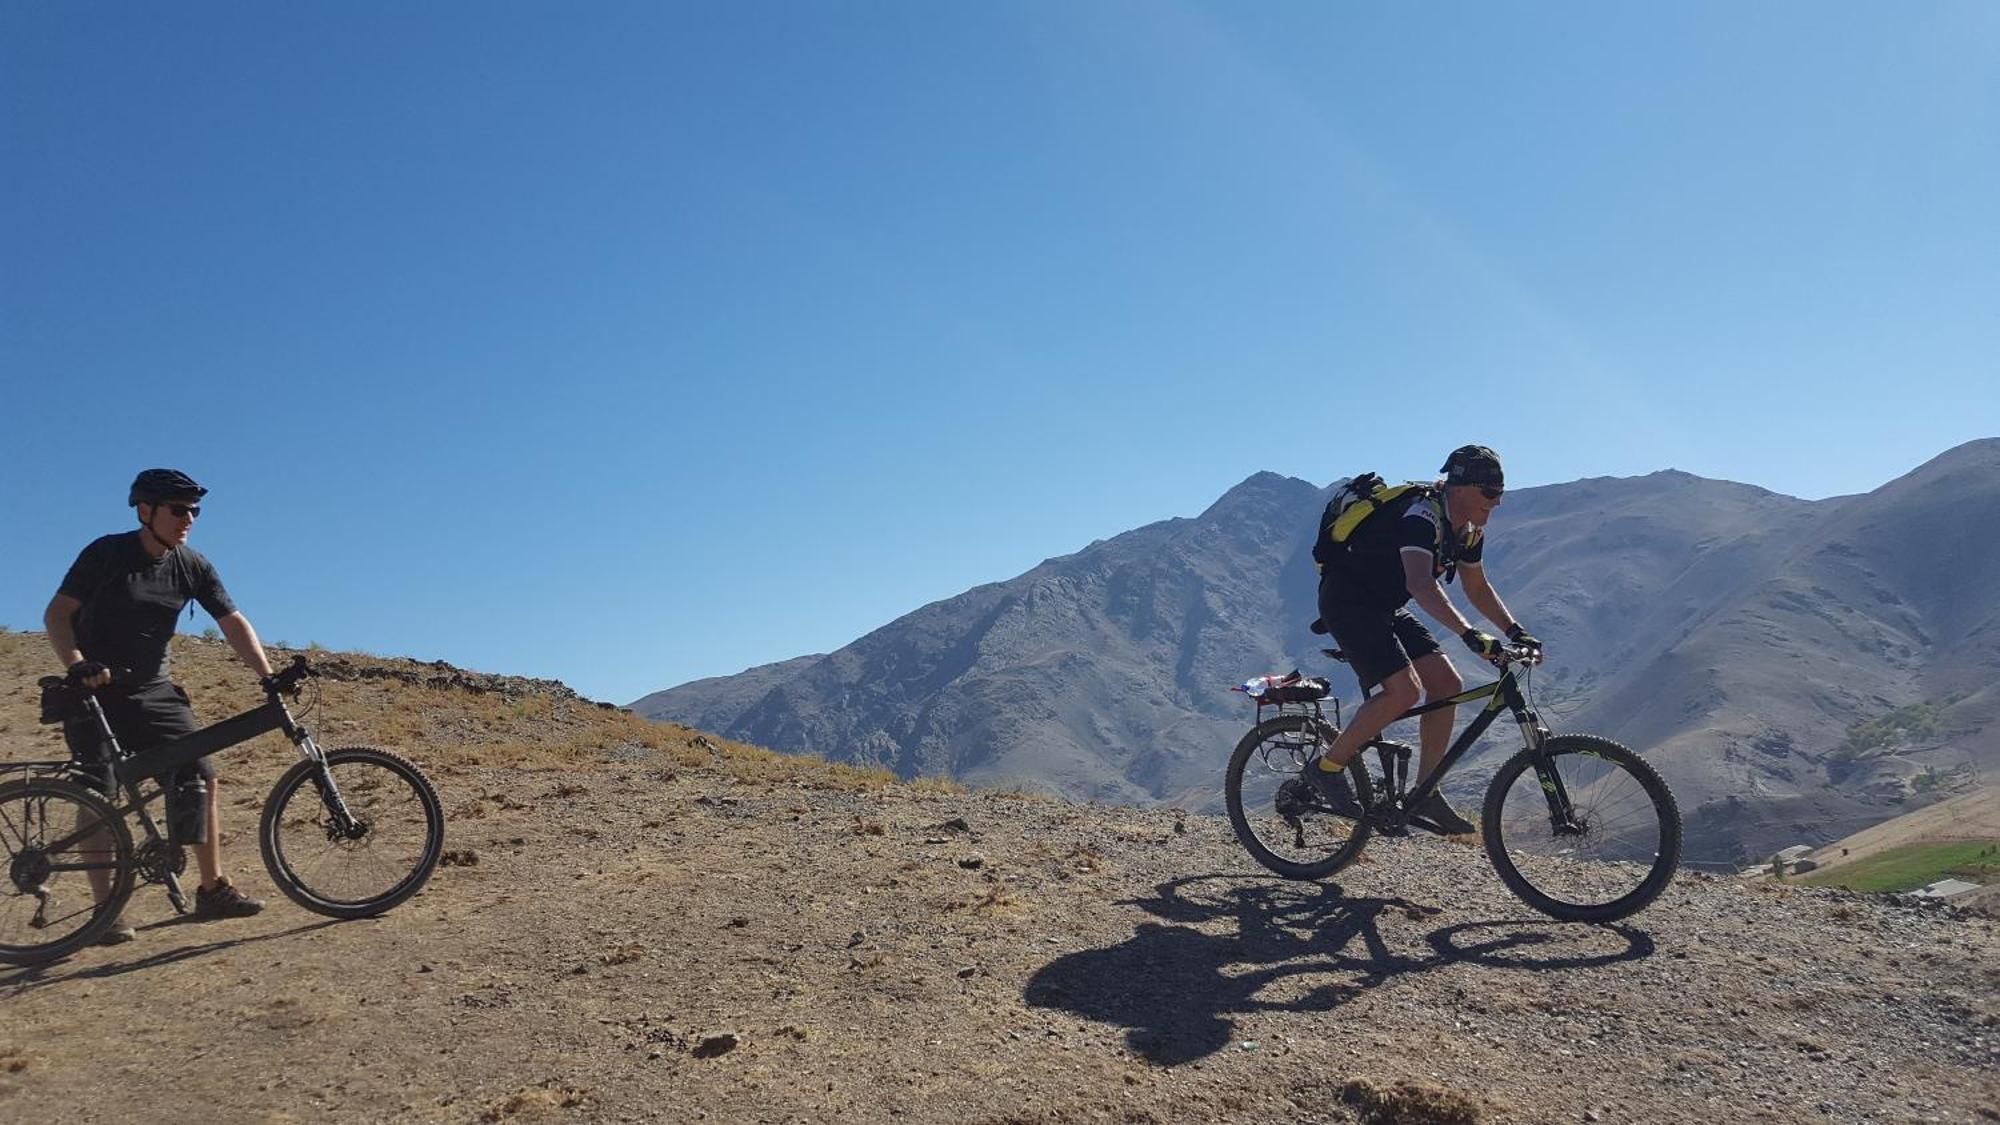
{"x": 350, "y": 878}
{"x": 65, "y": 912}
{"x": 1630, "y": 839}
{"x": 1335, "y": 841}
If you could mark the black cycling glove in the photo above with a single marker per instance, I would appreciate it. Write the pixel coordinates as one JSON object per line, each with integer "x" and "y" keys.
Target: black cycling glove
{"x": 1523, "y": 638}
{"x": 83, "y": 671}
{"x": 1485, "y": 644}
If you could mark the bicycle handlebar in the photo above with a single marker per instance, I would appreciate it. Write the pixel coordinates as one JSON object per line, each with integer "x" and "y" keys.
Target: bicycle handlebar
{"x": 118, "y": 675}
{"x": 287, "y": 681}
{"x": 278, "y": 683}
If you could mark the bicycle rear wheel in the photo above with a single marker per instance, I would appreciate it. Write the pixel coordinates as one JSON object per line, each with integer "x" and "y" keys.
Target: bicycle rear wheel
{"x": 53, "y": 833}
{"x": 361, "y": 861}
{"x": 1611, "y": 853}
{"x": 1277, "y": 818}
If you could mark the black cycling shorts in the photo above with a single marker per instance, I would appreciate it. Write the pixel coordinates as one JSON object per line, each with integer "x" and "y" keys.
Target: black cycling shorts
{"x": 143, "y": 717}
{"x": 1377, "y": 642}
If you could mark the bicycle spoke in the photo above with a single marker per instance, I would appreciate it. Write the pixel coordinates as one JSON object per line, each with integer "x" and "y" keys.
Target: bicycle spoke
{"x": 1278, "y": 817}
{"x": 1611, "y": 852}
{"x": 381, "y": 852}
{"x": 20, "y": 834}
{"x": 48, "y": 905}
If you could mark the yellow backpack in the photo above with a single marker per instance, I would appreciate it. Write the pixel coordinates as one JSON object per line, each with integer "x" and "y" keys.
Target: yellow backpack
{"x": 1351, "y": 506}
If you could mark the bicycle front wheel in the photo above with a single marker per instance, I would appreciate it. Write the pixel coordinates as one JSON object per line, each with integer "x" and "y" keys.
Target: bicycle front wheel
{"x": 1277, "y": 817}
{"x": 54, "y": 835}
{"x": 1583, "y": 830}
{"x": 354, "y": 837}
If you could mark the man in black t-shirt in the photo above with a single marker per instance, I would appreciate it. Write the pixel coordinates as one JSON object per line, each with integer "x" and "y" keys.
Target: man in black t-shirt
{"x": 1397, "y": 554}
{"x": 116, "y": 609}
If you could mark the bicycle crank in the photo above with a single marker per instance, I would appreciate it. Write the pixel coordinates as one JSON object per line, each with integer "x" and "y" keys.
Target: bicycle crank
{"x": 156, "y": 860}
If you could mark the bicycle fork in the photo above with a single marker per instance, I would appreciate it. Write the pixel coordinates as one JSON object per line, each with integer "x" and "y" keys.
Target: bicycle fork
{"x": 1562, "y": 813}
{"x": 342, "y": 823}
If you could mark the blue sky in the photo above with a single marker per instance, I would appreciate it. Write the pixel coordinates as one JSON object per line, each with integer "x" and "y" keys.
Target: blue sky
{"x": 632, "y": 343}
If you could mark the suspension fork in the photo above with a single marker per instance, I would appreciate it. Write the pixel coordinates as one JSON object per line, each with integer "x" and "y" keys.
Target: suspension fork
{"x": 344, "y": 820}
{"x": 1562, "y": 814}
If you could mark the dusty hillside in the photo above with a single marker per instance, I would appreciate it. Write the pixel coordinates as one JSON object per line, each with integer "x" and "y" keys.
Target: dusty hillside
{"x": 1968, "y": 816}
{"x": 673, "y": 928}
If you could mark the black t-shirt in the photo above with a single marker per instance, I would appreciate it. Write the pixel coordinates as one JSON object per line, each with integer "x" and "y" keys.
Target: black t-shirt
{"x": 1370, "y": 570}
{"x": 131, "y": 600}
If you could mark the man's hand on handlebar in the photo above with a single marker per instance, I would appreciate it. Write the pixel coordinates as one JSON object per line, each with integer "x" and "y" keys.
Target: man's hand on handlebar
{"x": 1520, "y": 636}
{"x": 90, "y": 673}
{"x": 287, "y": 681}
{"x": 1486, "y": 645}
{"x": 1524, "y": 649}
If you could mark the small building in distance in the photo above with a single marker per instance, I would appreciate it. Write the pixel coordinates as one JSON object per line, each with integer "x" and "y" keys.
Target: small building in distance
{"x": 1948, "y": 889}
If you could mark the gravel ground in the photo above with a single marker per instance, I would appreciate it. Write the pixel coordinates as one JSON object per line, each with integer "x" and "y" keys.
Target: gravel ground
{"x": 642, "y": 943}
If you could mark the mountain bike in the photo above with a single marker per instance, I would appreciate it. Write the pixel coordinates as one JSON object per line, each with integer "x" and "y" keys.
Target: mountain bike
{"x": 1577, "y": 826}
{"x": 347, "y": 833}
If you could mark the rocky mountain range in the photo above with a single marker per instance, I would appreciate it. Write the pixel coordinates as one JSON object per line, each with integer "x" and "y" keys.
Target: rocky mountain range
{"x": 1798, "y": 669}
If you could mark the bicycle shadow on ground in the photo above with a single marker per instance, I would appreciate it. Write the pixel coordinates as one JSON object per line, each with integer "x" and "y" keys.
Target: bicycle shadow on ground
{"x": 1176, "y": 984}
{"x": 42, "y": 976}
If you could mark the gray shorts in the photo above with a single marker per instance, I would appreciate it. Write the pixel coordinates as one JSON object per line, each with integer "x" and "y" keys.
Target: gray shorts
{"x": 143, "y": 717}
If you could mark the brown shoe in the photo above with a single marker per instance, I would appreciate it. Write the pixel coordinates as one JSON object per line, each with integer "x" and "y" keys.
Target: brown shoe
{"x": 224, "y": 901}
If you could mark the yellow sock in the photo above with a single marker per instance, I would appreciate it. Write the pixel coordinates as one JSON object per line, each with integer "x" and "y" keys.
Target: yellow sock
{"x": 1328, "y": 766}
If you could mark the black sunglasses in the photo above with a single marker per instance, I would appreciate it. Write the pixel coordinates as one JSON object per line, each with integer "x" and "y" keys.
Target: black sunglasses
{"x": 1490, "y": 492}
{"x": 191, "y": 511}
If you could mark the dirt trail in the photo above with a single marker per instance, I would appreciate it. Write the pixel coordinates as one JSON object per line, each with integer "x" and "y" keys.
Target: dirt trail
{"x": 647, "y": 924}
{"x": 637, "y": 944}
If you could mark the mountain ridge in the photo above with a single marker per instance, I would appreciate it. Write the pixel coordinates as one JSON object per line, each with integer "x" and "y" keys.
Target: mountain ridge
{"x": 1699, "y": 620}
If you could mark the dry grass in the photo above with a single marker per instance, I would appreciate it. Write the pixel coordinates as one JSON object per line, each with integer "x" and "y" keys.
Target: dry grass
{"x": 390, "y": 703}
{"x": 1407, "y": 1103}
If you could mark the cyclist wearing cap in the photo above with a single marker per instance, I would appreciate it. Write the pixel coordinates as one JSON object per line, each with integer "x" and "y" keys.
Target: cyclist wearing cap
{"x": 1397, "y": 554}
{"x": 116, "y": 609}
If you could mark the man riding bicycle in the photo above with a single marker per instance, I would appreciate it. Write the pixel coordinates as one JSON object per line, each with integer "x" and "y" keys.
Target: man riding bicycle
{"x": 115, "y": 610}
{"x": 1396, "y": 554}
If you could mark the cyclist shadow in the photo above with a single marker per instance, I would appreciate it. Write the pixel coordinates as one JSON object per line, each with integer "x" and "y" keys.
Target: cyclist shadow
{"x": 1175, "y": 987}
{"x": 42, "y": 976}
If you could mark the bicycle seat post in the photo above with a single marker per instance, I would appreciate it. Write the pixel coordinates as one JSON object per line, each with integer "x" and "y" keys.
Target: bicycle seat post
{"x": 108, "y": 767}
{"x": 1395, "y": 768}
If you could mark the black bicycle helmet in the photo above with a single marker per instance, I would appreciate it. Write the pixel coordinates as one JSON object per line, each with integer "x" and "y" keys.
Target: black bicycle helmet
{"x": 1473, "y": 464}
{"x": 156, "y": 486}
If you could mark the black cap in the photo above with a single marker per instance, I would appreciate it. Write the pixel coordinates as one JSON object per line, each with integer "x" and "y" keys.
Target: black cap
{"x": 1473, "y": 464}
{"x": 156, "y": 485}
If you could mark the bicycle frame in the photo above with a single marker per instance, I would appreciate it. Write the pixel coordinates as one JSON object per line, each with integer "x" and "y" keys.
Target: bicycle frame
{"x": 191, "y": 748}
{"x": 125, "y": 772}
{"x": 79, "y": 816}
{"x": 1503, "y": 694}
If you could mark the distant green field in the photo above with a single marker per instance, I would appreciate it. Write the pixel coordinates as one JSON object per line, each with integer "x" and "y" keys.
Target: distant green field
{"x": 1915, "y": 865}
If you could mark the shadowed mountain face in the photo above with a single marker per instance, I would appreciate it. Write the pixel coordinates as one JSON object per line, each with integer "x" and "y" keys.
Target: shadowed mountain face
{"x": 1734, "y": 635}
